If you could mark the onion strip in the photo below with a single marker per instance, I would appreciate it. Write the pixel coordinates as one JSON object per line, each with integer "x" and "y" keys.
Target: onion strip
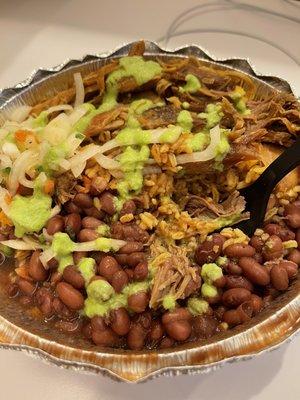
{"x": 79, "y": 88}
{"x": 21, "y": 244}
{"x": 205, "y": 155}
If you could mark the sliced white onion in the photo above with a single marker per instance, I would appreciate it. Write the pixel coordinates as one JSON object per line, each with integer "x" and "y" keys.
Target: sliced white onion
{"x": 91, "y": 246}
{"x": 21, "y": 244}
{"x": 55, "y": 210}
{"x": 11, "y": 150}
{"x": 106, "y": 162}
{"x": 3, "y": 133}
{"x": 151, "y": 170}
{"x": 46, "y": 256}
{"x": 5, "y": 161}
{"x": 46, "y": 235}
{"x": 84, "y": 154}
{"x": 64, "y": 164}
{"x": 78, "y": 169}
{"x": 60, "y": 107}
{"x": 79, "y": 88}
{"x": 3, "y": 204}
{"x": 20, "y": 113}
{"x": 26, "y": 182}
{"x": 78, "y": 113}
{"x": 25, "y": 160}
{"x": 205, "y": 155}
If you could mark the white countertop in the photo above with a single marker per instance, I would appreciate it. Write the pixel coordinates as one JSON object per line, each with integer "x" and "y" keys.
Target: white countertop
{"x": 45, "y": 33}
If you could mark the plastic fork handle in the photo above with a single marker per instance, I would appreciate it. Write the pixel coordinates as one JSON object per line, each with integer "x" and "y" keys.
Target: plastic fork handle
{"x": 279, "y": 168}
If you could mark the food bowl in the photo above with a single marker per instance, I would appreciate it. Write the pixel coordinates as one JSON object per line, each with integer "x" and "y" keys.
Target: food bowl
{"x": 273, "y": 326}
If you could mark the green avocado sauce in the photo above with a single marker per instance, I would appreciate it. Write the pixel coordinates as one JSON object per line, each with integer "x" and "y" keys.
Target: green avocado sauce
{"x": 63, "y": 247}
{"x": 30, "y": 214}
{"x": 238, "y": 97}
{"x": 192, "y": 84}
{"x": 102, "y": 298}
{"x": 213, "y": 115}
{"x": 185, "y": 120}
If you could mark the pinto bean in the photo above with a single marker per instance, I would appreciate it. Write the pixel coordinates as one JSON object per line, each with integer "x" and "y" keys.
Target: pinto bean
{"x": 119, "y": 280}
{"x": 298, "y": 236}
{"x": 107, "y": 203}
{"x": 70, "y": 208}
{"x": 179, "y": 330}
{"x": 78, "y": 255}
{"x": 91, "y": 223}
{"x": 73, "y": 277}
{"x": 210, "y": 249}
{"x": 233, "y": 268}
{"x": 279, "y": 277}
{"x": 290, "y": 267}
{"x": 12, "y": 290}
{"x": 44, "y": 301}
{"x": 87, "y": 235}
{"x": 52, "y": 264}
{"x": 36, "y": 269}
{"x": 157, "y": 331}
{"x": 259, "y": 258}
{"x": 105, "y": 338}
{"x": 242, "y": 314}
{"x": 273, "y": 248}
{"x": 129, "y": 273}
{"x": 120, "y": 321}
{"x": 281, "y": 231}
{"x": 138, "y": 302}
{"x": 70, "y": 296}
{"x": 83, "y": 200}
{"x": 205, "y": 326}
{"x": 139, "y": 329}
{"x": 254, "y": 271}
{"x": 55, "y": 278}
{"x": 132, "y": 259}
{"x": 179, "y": 314}
{"x": 234, "y": 281}
{"x": 129, "y": 232}
{"x": 294, "y": 256}
{"x": 94, "y": 212}
{"x": 98, "y": 324}
{"x": 129, "y": 207}
{"x": 257, "y": 243}
{"x": 26, "y": 287}
{"x": 55, "y": 224}
{"x": 166, "y": 343}
{"x": 87, "y": 330}
{"x": 292, "y": 215}
{"x": 131, "y": 247}
{"x": 136, "y": 337}
{"x": 141, "y": 271}
{"x": 257, "y": 303}
{"x": 239, "y": 250}
{"x": 236, "y": 296}
{"x": 98, "y": 185}
{"x": 108, "y": 267}
{"x": 72, "y": 224}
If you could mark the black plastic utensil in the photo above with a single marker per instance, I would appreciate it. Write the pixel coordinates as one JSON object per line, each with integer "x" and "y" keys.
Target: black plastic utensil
{"x": 257, "y": 195}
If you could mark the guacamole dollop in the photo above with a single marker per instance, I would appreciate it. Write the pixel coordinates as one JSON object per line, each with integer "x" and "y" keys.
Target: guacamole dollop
{"x": 30, "y": 214}
{"x": 192, "y": 84}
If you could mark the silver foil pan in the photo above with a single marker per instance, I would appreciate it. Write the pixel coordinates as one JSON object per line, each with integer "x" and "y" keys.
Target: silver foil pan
{"x": 18, "y": 331}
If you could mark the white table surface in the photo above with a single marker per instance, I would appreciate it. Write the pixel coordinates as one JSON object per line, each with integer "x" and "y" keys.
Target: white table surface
{"x": 45, "y": 33}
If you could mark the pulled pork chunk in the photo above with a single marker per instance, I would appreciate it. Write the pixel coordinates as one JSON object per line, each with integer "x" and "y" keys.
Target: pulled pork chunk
{"x": 173, "y": 275}
{"x": 158, "y": 117}
{"x": 107, "y": 121}
{"x": 205, "y": 207}
{"x": 65, "y": 188}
